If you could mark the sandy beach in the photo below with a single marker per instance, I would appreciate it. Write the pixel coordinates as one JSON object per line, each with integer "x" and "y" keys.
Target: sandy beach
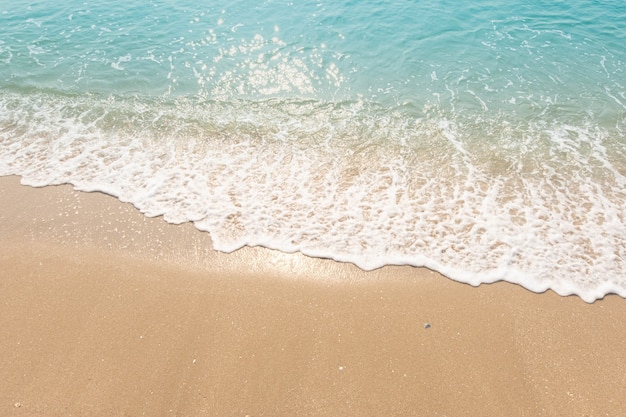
{"x": 105, "y": 312}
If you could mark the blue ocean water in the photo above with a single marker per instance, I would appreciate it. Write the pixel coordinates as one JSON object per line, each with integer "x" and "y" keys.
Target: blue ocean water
{"x": 485, "y": 140}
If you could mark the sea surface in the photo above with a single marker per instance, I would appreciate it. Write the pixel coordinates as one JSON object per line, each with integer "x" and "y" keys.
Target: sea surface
{"x": 485, "y": 140}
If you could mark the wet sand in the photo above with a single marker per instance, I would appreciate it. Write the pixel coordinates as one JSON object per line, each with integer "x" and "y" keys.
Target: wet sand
{"x": 104, "y": 312}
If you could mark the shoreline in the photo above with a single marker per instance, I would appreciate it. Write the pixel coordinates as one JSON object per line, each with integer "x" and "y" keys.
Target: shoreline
{"x": 109, "y": 312}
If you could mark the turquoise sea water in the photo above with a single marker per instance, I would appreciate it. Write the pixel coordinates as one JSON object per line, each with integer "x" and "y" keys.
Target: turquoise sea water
{"x": 484, "y": 140}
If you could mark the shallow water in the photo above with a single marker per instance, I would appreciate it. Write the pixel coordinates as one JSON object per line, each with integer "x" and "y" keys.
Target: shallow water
{"x": 487, "y": 142}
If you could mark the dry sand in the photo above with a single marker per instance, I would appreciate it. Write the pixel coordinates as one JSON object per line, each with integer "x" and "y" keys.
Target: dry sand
{"x": 104, "y": 312}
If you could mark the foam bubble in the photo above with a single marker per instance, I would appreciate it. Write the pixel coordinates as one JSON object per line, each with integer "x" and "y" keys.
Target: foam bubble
{"x": 536, "y": 204}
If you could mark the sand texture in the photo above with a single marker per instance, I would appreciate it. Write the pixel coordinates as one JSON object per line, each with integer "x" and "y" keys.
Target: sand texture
{"x": 104, "y": 312}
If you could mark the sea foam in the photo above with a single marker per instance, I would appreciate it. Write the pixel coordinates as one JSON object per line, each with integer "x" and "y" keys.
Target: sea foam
{"x": 540, "y": 205}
